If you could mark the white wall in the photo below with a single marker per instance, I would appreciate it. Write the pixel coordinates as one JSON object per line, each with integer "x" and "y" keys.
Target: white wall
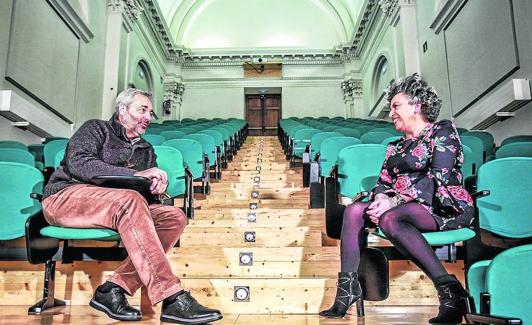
{"x": 218, "y": 91}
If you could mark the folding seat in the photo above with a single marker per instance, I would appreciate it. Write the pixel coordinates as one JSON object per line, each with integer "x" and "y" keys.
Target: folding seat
{"x": 289, "y": 141}
{"x": 42, "y": 240}
{"x": 17, "y": 182}
{"x": 155, "y": 139}
{"x": 356, "y": 174}
{"x": 186, "y": 130}
{"x": 301, "y": 145}
{"x": 193, "y": 159}
{"x": 391, "y": 139}
{"x": 227, "y": 154}
{"x": 49, "y": 154}
{"x": 17, "y": 155}
{"x": 517, "y": 138}
{"x": 209, "y": 151}
{"x": 170, "y": 135}
{"x": 501, "y": 285}
{"x": 515, "y": 149}
{"x": 13, "y": 144}
{"x": 477, "y": 151}
{"x": 487, "y": 141}
{"x": 365, "y": 128}
{"x": 312, "y": 174}
{"x": 349, "y": 132}
{"x": 329, "y": 150}
{"x": 219, "y": 143}
{"x": 375, "y": 137}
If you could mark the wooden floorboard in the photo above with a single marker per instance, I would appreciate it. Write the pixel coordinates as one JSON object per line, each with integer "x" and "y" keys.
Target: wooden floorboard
{"x": 84, "y": 315}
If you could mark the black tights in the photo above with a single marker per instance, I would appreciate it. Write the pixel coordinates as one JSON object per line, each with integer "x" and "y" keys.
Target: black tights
{"x": 402, "y": 225}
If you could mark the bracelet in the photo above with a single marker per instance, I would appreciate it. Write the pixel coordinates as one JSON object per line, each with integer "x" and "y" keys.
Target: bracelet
{"x": 395, "y": 200}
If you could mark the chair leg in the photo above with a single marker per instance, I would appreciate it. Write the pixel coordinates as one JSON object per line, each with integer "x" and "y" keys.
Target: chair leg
{"x": 48, "y": 300}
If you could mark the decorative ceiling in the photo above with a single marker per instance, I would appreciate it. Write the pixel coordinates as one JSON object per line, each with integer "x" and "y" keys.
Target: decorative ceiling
{"x": 255, "y": 26}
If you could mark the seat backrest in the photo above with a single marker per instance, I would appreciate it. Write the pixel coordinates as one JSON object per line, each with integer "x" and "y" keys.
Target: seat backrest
{"x": 515, "y": 149}
{"x": 317, "y": 139}
{"x": 192, "y": 153}
{"x": 487, "y": 140}
{"x": 509, "y": 283}
{"x": 330, "y": 148}
{"x": 173, "y": 134}
{"x": 349, "y": 132}
{"x": 58, "y": 158}
{"x": 186, "y": 130}
{"x": 155, "y": 139}
{"x": 217, "y": 135}
{"x": 357, "y": 162}
{"x": 365, "y": 128}
{"x": 505, "y": 211}
{"x": 477, "y": 149}
{"x": 17, "y": 155}
{"x": 13, "y": 144}
{"x": 469, "y": 165}
{"x": 391, "y": 139}
{"x": 375, "y": 137}
{"x": 17, "y": 182}
{"x": 517, "y": 138}
{"x": 171, "y": 161}
{"x": 51, "y": 149}
{"x": 207, "y": 143}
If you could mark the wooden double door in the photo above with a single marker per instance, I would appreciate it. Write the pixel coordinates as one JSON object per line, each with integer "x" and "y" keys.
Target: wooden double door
{"x": 263, "y": 113}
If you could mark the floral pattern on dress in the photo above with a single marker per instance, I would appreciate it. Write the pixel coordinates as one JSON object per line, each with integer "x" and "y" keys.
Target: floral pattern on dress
{"x": 427, "y": 169}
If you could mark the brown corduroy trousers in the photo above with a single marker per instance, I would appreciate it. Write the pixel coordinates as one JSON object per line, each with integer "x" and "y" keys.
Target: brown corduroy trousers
{"x": 147, "y": 232}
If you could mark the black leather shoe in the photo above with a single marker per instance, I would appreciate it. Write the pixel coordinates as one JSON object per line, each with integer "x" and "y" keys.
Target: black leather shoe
{"x": 184, "y": 309}
{"x": 114, "y": 304}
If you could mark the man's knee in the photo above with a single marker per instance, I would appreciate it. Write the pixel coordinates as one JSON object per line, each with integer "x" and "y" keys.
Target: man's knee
{"x": 171, "y": 217}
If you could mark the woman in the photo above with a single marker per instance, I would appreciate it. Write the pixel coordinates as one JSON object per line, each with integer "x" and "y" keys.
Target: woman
{"x": 419, "y": 190}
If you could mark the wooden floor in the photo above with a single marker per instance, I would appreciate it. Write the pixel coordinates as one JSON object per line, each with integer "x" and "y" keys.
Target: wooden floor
{"x": 293, "y": 275}
{"x": 84, "y": 315}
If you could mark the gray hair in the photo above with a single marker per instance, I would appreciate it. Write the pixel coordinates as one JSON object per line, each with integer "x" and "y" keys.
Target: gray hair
{"x": 418, "y": 92}
{"x": 126, "y": 97}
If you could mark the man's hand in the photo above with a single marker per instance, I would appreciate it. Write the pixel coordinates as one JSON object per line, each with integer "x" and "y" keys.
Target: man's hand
{"x": 157, "y": 177}
{"x": 380, "y": 205}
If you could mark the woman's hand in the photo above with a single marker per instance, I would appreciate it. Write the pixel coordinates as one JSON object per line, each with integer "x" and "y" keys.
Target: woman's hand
{"x": 157, "y": 177}
{"x": 380, "y": 205}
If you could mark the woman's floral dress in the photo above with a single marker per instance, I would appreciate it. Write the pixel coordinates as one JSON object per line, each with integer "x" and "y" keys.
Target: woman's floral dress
{"x": 427, "y": 169}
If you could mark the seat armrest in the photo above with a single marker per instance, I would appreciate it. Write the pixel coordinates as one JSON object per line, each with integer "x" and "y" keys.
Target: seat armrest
{"x": 360, "y": 196}
{"x": 479, "y": 194}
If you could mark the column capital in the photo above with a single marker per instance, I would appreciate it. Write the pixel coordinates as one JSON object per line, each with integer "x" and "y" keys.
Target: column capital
{"x": 351, "y": 88}
{"x": 133, "y": 9}
{"x": 391, "y": 9}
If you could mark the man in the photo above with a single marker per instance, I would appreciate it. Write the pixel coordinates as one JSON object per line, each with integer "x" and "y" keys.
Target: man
{"x": 147, "y": 231}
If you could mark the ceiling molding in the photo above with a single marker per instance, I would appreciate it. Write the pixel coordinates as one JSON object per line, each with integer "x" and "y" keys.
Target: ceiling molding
{"x": 339, "y": 54}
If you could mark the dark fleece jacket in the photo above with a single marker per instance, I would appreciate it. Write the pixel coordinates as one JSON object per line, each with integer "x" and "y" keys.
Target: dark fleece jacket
{"x": 100, "y": 148}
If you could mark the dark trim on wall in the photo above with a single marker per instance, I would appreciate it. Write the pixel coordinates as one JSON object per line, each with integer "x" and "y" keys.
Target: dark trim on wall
{"x": 376, "y": 103}
{"x": 38, "y": 100}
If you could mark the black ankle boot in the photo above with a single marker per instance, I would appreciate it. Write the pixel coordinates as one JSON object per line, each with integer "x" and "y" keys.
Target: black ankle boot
{"x": 453, "y": 300}
{"x": 182, "y": 308}
{"x": 111, "y": 300}
{"x": 347, "y": 293}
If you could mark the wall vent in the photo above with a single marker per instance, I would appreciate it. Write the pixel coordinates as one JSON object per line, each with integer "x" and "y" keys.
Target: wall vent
{"x": 30, "y": 117}
{"x": 497, "y": 106}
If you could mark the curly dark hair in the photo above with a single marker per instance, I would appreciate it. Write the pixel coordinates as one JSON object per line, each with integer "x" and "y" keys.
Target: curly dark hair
{"x": 418, "y": 92}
